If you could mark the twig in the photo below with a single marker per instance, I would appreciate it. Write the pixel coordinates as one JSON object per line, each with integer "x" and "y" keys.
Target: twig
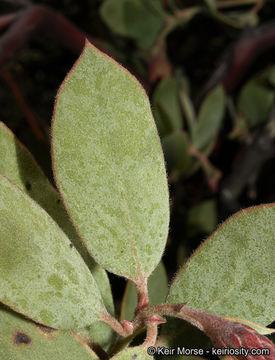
{"x": 213, "y": 174}
{"x": 124, "y": 329}
{"x": 18, "y": 2}
{"x": 152, "y": 330}
{"x": 5, "y": 20}
{"x": 142, "y": 292}
{"x": 239, "y": 56}
{"x": 39, "y": 17}
{"x": 223, "y": 4}
{"x": 23, "y": 105}
{"x": 249, "y": 163}
{"x": 259, "y": 4}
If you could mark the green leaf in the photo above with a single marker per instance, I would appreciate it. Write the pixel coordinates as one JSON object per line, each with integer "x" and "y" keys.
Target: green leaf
{"x": 103, "y": 283}
{"x": 189, "y": 111}
{"x": 175, "y": 148}
{"x": 21, "y": 339}
{"x": 136, "y": 19}
{"x": 98, "y": 333}
{"x": 157, "y": 288}
{"x": 202, "y": 218}
{"x": 41, "y": 275}
{"x": 271, "y": 75}
{"x": 211, "y": 4}
{"x": 109, "y": 166}
{"x": 209, "y": 118}
{"x": 19, "y": 166}
{"x": 231, "y": 274}
{"x": 101, "y": 333}
{"x": 254, "y": 102}
{"x": 166, "y": 105}
{"x": 137, "y": 353}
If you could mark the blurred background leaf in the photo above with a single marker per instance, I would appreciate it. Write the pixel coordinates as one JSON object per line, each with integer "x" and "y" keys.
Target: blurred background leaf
{"x": 136, "y": 19}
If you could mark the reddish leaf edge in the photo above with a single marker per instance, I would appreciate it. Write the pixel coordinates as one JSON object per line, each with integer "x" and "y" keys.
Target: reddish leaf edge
{"x": 26, "y": 150}
{"x": 102, "y": 315}
{"x": 32, "y": 158}
{"x": 200, "y": 247}
{"x": 141, "y": 279}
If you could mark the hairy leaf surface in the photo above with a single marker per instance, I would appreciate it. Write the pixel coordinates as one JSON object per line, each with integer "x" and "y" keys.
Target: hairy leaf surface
{"x": 109, "y": 165}
{"x": 19, "y": 166}
{"x": 232, "y": 273}
{"x": 21, "y": 339}
{"x": 41, "y": 275}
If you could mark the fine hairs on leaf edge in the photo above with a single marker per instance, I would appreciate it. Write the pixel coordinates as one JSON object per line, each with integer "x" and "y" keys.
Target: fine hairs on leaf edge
{"x": 102, "y": 314}
{"x": 141, "y": 278}
{"x": 200, "y": 247}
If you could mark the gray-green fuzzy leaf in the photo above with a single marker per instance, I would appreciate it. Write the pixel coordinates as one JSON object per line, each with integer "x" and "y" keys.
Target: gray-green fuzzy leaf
{"x": 109, "y": 165}
{"x": 19, "y": 166}
{"x": 21, "y": 339}
{"x": 41, "y": 275}
{"x": 231, "y": 274}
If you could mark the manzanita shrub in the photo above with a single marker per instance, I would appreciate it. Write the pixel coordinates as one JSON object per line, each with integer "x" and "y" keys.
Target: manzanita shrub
{"x": 111, "y": 212}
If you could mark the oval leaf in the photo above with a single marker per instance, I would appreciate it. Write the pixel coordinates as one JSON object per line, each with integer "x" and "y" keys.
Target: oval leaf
{"x": 188, "y": 110}
{"x": 166, "y": 105}
{"x": 136, "y": 353}
{"x": 209, "y": 118}
{"x": 175, "y": 147}
{"x": 231, "y": 274}
{"x": 19, "y": 166}
{"x": 134, "y": 19}
{"x": 22, "y": 339}
{"x": 202, "y": 218}
{"x": 41, "y": 275}
{"x": 109, "y": 165}
{"x": 255, "y": 102}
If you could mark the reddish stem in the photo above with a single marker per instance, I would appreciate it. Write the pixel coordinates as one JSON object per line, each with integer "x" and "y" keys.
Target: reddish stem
{"x": 245, "y": 51}
{"x": 39, "y": 17}
{"x": 142, "y": 292}
{"x": 23, "y": 105}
